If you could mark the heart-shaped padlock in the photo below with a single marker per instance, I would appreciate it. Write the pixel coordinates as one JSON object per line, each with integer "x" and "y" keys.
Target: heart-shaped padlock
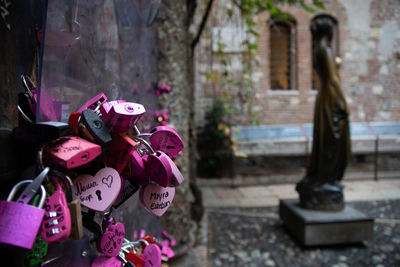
{"x": 165, "y": 139}
{"x": 156, "y": 199}
{"x": 111, "y": 241}
{"x": 152, "y": 254}
{"x": 56, "y": 224}
{"x": 135, "y": 168}
{"x": 98, "y": 192}
{"x": 177, "y": 177}
{"x": 158, "y": 168}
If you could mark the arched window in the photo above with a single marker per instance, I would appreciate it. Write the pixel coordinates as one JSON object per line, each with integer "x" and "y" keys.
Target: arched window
{"x": 282, "y": 55}
{"x": 334, "y": 46}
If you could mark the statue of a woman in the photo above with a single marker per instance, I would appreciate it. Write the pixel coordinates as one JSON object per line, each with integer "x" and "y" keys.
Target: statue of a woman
{"x": 321, "y": 188}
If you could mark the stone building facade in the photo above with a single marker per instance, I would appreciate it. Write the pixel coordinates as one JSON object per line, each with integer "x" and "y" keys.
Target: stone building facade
{"x": 367, "y": 41}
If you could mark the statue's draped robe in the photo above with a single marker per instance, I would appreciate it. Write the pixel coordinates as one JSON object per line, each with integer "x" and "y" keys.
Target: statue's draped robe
{"x": 331, "y": 136}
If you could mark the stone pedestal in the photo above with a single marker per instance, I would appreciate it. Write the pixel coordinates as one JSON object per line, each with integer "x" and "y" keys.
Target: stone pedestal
{"x": 313, "y": 228}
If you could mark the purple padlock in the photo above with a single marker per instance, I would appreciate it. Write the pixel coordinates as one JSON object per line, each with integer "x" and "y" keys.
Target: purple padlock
{"x": 123, "y": 116}
{"x": 19, "y": 222}
{"x": 165, "y": 139}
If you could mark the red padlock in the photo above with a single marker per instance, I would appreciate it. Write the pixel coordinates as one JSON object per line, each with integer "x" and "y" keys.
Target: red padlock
{"x": 70, "y": 152}
{"x": 119, "y": 150}
{"x": 136, "y": 259}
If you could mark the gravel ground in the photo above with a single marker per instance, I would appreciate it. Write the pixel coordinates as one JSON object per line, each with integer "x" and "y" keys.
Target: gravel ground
{"x": 256, "y": 237}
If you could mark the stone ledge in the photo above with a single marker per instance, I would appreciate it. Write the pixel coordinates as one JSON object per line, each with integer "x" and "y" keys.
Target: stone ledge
{"x": 296, "y": 140}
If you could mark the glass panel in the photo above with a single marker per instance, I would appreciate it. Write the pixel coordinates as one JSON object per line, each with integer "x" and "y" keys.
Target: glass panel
{"x": 98, "y": 46}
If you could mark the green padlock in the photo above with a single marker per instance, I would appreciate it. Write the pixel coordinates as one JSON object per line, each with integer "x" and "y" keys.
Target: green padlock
{"x": 39, "y": 250}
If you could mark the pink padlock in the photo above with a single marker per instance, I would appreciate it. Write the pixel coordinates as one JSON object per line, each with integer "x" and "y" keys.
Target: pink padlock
{"x": 156, "y": 199}
{"x": 56, "y": 225}
{"x": 111, "y": 241}
{"x": 135, "y": 168}
{"x": 70, "y": 152}
{"x": 123, "y": 116}
{"x": 158, "y": 168}
{"x": 177, "y": 177}
{"x": 167, "y": 140}
{"x": 119, "y": 150}
{"x": 106, "y": 106}
{"x": 94, "y": 102}
{"x": 20, "y": 223}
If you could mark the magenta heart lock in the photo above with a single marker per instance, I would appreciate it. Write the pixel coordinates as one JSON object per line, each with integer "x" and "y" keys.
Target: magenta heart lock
{"x": 111, "y": 241}
{"x": 158, "y": 168}
{"x": 98, "y": 192}
{"x": 104, "y": 261}
{"x": 156, "y": 199}
{"x": 152, "y": 254}
{"x": 165, "y": 139}
{"x": 135, "y": 168}
{"x": 177, "y": 177}
{"x": 166, "y": 250}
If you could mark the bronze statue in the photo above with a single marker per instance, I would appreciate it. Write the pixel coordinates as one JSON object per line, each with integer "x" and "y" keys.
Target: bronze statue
{"x": 321, "y": 187}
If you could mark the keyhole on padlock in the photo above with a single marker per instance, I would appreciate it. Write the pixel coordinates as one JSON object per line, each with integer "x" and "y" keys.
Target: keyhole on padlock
{"x": 97, "y": 124}
{"x": 98, "y": 193}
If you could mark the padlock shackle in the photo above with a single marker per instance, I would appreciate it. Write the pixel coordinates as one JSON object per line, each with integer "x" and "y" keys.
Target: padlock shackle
{"x": 18, "y": 185}
{"x": 145, "y": 143}
{"x": 28, "y": 89}
{"x": 66, "y": 180}
{"x": 24, "y": 116}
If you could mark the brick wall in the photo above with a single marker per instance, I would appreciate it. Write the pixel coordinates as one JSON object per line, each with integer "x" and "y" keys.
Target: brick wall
{"x": 369, "y": 45}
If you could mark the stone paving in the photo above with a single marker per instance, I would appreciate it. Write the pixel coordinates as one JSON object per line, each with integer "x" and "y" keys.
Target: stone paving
{"x": 241, "y": 227}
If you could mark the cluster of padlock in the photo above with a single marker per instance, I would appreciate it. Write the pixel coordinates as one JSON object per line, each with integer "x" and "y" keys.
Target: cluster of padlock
{"x": 116, "y": 250}
{"x": 98, "y": 160}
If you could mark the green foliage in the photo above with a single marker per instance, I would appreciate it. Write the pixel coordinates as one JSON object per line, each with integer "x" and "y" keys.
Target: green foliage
{"x": 213, "y": 143}
{"x": 229, "y": 82}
